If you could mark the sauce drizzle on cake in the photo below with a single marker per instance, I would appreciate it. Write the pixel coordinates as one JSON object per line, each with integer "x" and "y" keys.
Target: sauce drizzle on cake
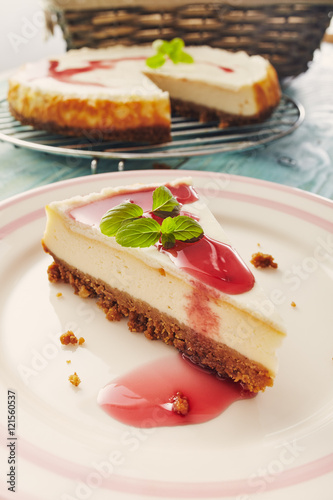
{"x": 67, "y": 75}
{"x": 214, "y": 263}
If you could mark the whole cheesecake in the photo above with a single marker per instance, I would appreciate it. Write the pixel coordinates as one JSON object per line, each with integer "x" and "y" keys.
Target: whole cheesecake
{"x": 112, "y": 94}
{"x": 197, "y": 295}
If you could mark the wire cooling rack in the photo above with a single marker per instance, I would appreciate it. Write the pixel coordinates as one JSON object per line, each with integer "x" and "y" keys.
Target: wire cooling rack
{"x": 189, "y": 137}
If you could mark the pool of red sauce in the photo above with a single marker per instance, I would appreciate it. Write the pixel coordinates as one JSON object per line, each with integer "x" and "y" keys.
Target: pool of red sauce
{"x": 143, "y": 397}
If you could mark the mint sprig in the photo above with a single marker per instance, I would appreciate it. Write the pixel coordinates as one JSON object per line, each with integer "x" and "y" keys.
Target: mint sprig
{"x": 168, "y": 239}
{"x": 145, "y": 232}
{"x": 131, "y": 229}
{"x": 172, "y": 50}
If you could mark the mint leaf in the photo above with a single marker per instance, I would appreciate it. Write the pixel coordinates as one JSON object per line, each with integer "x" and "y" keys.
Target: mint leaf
{"x": 168, "y": 226}
{"x": 164, "y": 204}
{"x": 141, "y": 233}
{"x": 187, "y": 229}
{"x": 155, "y": 61}
{"x": 117, "y": 216}
{"x": 159, "y": 45}
{"x": 176, "y": 49}
{"x": 181, "y": 228}
{"x": 168, "y": 241}
{"x": 185, "y": 58}
{"x": 176, "y": 53}
{"x": 177, "y": 44}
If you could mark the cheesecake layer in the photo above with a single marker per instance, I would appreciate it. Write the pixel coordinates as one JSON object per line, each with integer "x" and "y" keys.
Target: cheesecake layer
{"x": 150, "y": 277}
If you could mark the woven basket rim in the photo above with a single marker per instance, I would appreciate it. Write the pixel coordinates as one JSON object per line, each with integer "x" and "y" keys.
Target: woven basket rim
{"x": 153, "y": 5}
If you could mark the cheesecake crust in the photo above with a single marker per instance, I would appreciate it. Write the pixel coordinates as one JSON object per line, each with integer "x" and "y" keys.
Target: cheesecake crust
{"x": 204, "y": 114}
{"x": 155, "y": 325}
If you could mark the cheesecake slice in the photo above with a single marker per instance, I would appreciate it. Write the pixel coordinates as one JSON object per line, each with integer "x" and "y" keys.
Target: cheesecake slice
{"x": 196, "y": 294}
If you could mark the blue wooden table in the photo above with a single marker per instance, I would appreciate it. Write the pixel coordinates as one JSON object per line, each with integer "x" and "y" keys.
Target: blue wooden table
{"x": 303, "y": 159}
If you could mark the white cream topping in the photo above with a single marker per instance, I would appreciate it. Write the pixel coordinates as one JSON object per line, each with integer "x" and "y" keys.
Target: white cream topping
{"x": 230, "y": 70}
{"x": 125, "y": 79}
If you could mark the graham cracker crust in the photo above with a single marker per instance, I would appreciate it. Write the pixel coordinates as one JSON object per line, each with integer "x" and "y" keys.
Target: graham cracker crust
{"x": 155, "y": 325}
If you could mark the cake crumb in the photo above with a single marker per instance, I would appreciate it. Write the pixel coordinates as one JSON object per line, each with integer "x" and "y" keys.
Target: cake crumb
{"x": 293, "y": 304}
{"x": 162, "y": 272}
{"x": 263, "y": 260}
{"x": 180, "y": 404}
{"x": 68, "y": 361}
{"x": 84, "y": 292}
{"x": 74, "y": 379}
{"x": 68, "y": 338}
{"x": 59, "y": 294}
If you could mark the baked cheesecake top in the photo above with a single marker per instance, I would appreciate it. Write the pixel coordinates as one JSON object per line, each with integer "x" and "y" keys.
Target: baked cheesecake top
{"x": 118, "y": 71}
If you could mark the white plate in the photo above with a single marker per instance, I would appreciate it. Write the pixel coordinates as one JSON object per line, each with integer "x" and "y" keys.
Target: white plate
{"x": 277, "y": 445}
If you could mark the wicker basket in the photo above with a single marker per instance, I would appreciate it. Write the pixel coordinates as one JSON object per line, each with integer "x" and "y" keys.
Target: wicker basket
{"x": 286, "y": 33}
